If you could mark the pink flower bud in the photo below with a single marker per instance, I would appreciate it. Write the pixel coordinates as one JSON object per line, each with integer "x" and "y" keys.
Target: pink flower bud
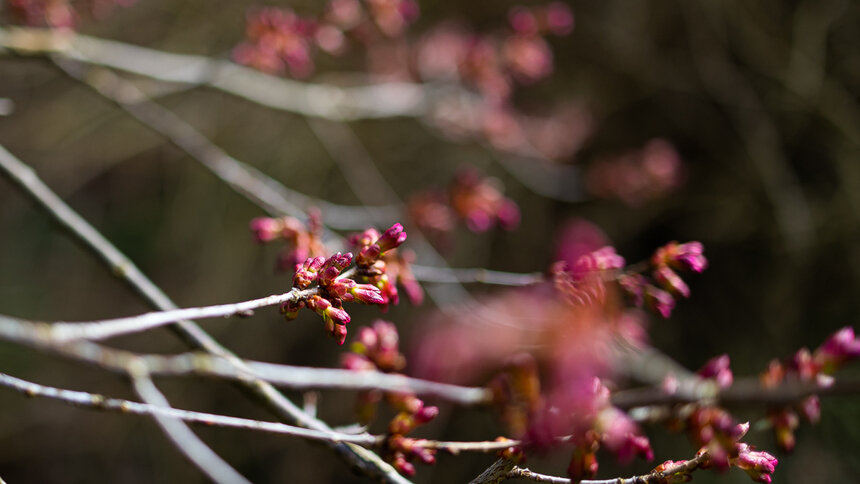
{"x": 690, "y": 256}
{"x": 842, "y": 346}
{"x": 392, "y": 238}
{"x": 559, "y": 18}
{"x": 338, "y": 315}
{"x": 670, "y": 281}
{"x": 307, "y": 272}
{"x": 718, "y": 369}
{"x": 367, "y": 294}
{"x": 266, "y": 229}
{"x": 659, "y": 300}
{"x": 758, "y": 465}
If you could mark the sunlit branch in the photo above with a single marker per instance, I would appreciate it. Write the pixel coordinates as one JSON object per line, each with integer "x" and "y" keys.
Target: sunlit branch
{"x": 652, "y": 478}
{"x": 183, "y": 438}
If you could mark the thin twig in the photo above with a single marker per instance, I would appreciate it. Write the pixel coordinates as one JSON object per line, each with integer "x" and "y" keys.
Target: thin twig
{"x": 101, "y": 402}
{"x": 482, "y": 276}
{"x": 183, "y": 438}
{"x": 97, "y": 330}
{"x": 653, "y": 477}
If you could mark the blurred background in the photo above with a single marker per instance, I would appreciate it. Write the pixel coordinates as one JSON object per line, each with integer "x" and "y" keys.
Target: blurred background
{"x": 757, "y": 103}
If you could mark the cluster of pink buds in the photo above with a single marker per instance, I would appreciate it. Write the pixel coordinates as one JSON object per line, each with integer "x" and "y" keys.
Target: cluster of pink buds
{"x": 658, "y": 294}
{"x": 333, "y": 290}
{"x": 302, "y": 241}
{"x": 758, "y": 465}
{"x": 637, "y": 176}
{"x": 378, "y": 264}
{"x": 472, "y": 198}
{"x": 807, "y": 367}
{"x": 59, "y": 14}
{"x": 279, "y": 41}
{"x": 490, "y": 63}
{"x": 377, "y": 349}
{"x": 585, "y": 283}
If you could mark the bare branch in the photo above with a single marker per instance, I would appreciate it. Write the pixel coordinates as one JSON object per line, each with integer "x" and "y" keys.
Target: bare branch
{"x": 101, "y": 402}
{"x": 478, "y": 275}
{"x": 183, "y": 438}
{"x": 96, "y": 330}
{"x": 652, "y": 478}
{"x": 325, "y": 101}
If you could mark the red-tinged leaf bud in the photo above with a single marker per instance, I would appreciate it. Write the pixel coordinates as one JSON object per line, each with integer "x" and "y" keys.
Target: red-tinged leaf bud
{"x": 266, "y": 229}
{"x": 671, "y": 281}
{"x": 367, "y": 294}
{"x": 717, "y": 368}
{"x": 659, "y": 301}
{"x": 391, "y": 238}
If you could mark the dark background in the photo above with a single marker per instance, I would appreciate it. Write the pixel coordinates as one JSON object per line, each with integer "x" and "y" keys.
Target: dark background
{"x": 759, "y": 98}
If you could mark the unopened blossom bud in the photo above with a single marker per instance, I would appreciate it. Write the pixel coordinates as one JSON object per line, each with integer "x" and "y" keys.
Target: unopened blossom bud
{"x": 634, "y": 286}
{"x": 810, "y": 407}
{"x": 338, "y": 315}
{"x": 671, "y": 281}
{"x": 784, "y": 423}
{"x": 367, "y": 294}
{"x": 717, "y": 368}
{"x": 559, "y": 18}
{"x": 508, "y": 214}
{"x": 758, "y": 465}
{"x": 659, "y": 300}
{"x": 691, "y": 256}
{"x": 339, "y": 333}
{"x": 333, "y": 267}
{"x": 804, "y": 365}
{"x": 266, "y": 229}
{"x": 391, "y": 238}
{"x": 368, "y": 255}
{"x": 352, "y": 361}
{"x": 307, "y": 272}
{"x": 774, "y": 374}
{"x": 290, "y": 309}
{"x": 842, "y": 346}
{"x": 403, "y": 466}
